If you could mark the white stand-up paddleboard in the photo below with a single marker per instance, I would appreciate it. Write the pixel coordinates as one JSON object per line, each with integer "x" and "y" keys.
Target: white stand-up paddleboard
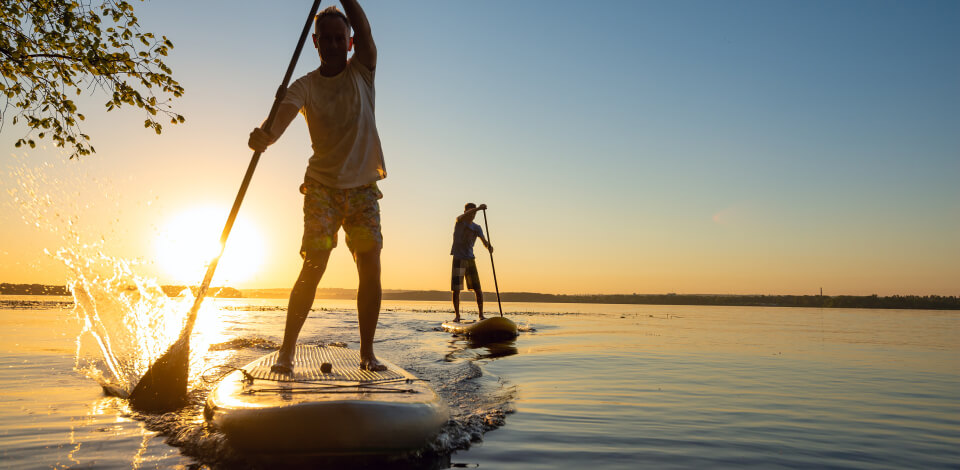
{"x": 490, "y": 329}
{"x": 346, "y": 411}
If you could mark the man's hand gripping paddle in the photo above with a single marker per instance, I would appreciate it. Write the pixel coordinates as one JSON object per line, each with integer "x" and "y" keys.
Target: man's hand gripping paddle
{"x": 164, "y": 386}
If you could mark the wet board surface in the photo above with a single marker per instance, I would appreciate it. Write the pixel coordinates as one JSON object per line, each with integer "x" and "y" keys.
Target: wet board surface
{"x": 308, "y": 359}
{"x": 346, "y": 411}
{"x": 491, "y": 328}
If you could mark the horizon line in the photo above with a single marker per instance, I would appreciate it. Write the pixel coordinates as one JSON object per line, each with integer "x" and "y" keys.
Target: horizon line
{"x": 817, "y": 294}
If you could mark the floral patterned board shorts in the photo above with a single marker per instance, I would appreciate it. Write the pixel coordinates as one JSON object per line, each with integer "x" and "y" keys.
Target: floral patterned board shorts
{"x": 464, "y": 268}
{"x": 326, "y": 209}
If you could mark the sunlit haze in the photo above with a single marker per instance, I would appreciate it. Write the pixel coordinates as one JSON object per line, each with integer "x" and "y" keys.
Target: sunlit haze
{"x": 188, "y": 242}
{"x": 741, "y": 147}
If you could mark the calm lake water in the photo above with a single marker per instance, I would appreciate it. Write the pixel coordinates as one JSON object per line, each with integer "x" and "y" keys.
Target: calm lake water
{"x": 583, "y": 386}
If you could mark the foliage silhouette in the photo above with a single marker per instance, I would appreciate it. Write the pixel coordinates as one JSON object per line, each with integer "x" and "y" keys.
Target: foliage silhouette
{"x": 51, "y": 49}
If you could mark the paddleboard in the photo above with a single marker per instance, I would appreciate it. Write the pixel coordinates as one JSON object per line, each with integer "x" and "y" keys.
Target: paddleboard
{"x": 345, "y": 411}
{"x": 489, "y": 329}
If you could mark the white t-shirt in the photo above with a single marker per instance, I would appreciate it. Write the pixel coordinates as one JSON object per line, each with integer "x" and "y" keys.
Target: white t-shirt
{"x": 343, "y": 130}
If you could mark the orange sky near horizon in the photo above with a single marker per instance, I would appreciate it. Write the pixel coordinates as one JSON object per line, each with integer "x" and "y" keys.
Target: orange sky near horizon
{"x": 724, "y": 256}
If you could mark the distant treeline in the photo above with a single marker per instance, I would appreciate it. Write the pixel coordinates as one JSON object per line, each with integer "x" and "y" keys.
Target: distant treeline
{"x": 230, "y": 292}
{"x": 32, "y": 289}
{"x": 928, "y": 302}
{"x": 322, "y": 293}
{"x": 42, "y": 289}
{"x": 932, "y": 302}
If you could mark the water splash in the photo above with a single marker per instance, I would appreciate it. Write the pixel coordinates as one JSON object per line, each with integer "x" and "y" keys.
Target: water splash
{"x": 126, "y": 319}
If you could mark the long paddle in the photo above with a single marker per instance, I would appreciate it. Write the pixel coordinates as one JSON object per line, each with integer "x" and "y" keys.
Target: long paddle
{"x": 490, "y": 241}
{"x": 164, "y": 386}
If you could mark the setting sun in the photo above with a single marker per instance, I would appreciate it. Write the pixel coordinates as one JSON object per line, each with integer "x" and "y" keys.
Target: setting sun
{"x": 188, "y": 241}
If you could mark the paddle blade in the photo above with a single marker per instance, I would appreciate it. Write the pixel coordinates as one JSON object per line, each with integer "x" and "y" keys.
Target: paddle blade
{"x": 164, "y": 386}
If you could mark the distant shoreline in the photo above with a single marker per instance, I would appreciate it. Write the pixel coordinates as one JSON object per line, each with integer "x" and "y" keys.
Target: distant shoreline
{"x": 913, "y": 302}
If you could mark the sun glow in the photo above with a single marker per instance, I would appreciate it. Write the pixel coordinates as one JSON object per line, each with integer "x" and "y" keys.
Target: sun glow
{"x": 189, "y": 241}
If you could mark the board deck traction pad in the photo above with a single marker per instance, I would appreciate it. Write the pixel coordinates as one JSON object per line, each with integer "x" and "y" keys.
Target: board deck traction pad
{"x": 306, "y": 367}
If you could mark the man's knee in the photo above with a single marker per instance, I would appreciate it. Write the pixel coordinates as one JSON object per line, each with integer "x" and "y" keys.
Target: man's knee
{"x": 368, "y": 263}
{"x": 314, "y": 263}
{"x": 315, "y": 259}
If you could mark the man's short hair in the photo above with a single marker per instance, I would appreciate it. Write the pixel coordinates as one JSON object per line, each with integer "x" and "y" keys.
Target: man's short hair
{"x": 469, "y": 206}
{"x": 331, "y": 11}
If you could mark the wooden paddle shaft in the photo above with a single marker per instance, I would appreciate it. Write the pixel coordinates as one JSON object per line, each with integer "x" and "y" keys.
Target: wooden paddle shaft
{"x": 494, "y": 268}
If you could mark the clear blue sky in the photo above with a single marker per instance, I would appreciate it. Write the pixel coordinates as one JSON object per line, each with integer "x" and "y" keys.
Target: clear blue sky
{"x": 622, "y": 146}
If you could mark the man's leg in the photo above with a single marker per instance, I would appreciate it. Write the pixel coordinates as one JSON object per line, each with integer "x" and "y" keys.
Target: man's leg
{"x": 479, "y": 294}
{"x": 456, "y": 305}
{"x": 368, "y": 306}
{"x": 298, "y": 308}
{"x": 456, "y": 285}
{"x": 473, "y": 283}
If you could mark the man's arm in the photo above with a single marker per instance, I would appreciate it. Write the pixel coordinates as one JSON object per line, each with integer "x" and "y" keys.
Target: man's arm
{"x": 364, "y": 48}
{"x": 260, "y": 138}
{"x": 471, "y": 211}
{"x": 485, "y": 242}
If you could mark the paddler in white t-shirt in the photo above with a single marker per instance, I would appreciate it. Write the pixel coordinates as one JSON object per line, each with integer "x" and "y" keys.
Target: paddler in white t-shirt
{"x": 340, "y": 186}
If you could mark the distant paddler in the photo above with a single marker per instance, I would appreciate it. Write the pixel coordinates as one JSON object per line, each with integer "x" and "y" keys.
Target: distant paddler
{"x": 465, "y": 234}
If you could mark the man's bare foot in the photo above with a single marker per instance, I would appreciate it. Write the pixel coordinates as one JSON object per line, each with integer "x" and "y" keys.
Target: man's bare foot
{"x": 371, "y": 364}
{"x": 282, "y": 368}
{"x": 284, "y": 364}
{"x": 482, "y": 317}
{"x": 456, "y": 320}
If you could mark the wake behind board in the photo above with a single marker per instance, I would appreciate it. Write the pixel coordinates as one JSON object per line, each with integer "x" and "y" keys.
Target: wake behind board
{"x": 490, "y": 329}
{"x": 346, "y": 411}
